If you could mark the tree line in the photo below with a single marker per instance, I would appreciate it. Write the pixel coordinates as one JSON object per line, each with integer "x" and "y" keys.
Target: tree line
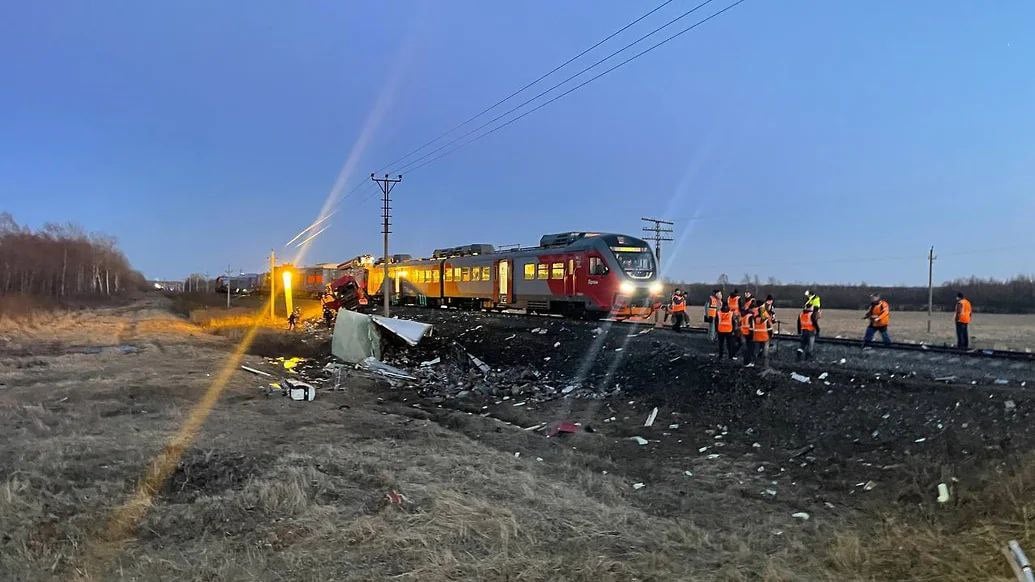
{"x": 1016, "y": 295}
{"x": 62, "y": 261}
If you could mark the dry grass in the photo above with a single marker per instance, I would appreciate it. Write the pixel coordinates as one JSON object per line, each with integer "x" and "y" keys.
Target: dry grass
{"x": 275, "y": 490}
{"x": 986, "y": 331}
{"x": 960, "y": 541}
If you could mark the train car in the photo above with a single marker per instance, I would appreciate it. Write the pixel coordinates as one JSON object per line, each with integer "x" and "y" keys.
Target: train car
{"x": 239, "y": 284}
{"x": 582, "y": 274}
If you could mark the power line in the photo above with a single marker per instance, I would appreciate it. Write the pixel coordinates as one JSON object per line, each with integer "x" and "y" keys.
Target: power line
{"x": 533, "y": 83}
{"x": 575, "y": 88}
{"x": 584, "y": 70}
{"x": 659, "y": 232}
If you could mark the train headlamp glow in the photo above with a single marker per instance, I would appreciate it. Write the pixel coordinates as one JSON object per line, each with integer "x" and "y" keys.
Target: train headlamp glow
{"x": 656, "y": 288}
{"x": 627, "y": 288}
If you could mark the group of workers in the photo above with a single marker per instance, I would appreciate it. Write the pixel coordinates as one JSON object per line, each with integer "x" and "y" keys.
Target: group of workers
{"x": 742, "y": 322}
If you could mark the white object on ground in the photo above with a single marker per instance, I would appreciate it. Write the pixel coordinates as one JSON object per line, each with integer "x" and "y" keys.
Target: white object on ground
{"x": 943, "y": 493}
{"x": 638, "y": 486}
{"x": 639, "y": 440}
{"x": 254, "y": 371}
{"x": 430, "y": 362}
{"x": 651, "y": 417}
{"x": 372, "y": 364}
{"x": 801, "y": 515}
{"x": 799, "y": 378}
{"x": 824, "y": 375}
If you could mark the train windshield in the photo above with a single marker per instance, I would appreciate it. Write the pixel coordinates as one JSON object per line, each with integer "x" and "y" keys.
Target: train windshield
{"x": 637, "y": 262}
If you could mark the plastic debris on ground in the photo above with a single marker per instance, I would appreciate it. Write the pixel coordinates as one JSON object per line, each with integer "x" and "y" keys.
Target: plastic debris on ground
{"x": 943, "y": 493}
{"x": 562, "y": 427}
{"x": 801, "y": 515}
{"x": 431, "y": 362}
{"x": 651, "y": 417}
{"x": 799, "y": 378}
{"x": 638, "y": 486}
{"x": 824, "y": 375}
{"x": 372, "y": 364}
{"x": 639, "y": 440}
{"x": 409, "y": 331}
{"x": 254, "y": 371}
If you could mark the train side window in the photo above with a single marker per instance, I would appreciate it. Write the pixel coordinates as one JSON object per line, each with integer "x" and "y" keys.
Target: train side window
{"x": 571, "y": 266}
{"x": 597, "y": 266}
{"x": 558, "y": 271}
{"x": 529, "y": 271}
{"x": 448, "y": 275}
{"x": 465, "y": 274}
{"x": 456, "y": 274}
{"x": 543, "y": 272}
{"x": 476, "y": 274}
{"x": 485, "y": 274}
{"x": 434, "y": 276}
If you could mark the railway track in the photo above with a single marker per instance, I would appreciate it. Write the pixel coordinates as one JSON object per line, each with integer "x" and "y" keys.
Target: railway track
{"x": 1014, "y": 355}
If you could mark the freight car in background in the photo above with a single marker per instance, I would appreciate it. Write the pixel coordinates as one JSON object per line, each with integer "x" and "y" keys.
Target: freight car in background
{"x": 578, "y": 274}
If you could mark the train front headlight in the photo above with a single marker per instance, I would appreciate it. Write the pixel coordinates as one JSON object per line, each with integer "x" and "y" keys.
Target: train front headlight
{"x": 627, "y": 288}
{"x": 656, "y": 288}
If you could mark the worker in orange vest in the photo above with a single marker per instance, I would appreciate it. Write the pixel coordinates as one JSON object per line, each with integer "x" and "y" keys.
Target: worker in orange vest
{"x": 807, "y": 329}
{"x": 678, "y": 309}
{"x": 963, "y": 311}
{"x": 724, "y": 331}
{"x": 734, "y": 301}
{"x": 759, "y": 340}
{"x": 711, "y": 311}
{"x": 879, "y": 315}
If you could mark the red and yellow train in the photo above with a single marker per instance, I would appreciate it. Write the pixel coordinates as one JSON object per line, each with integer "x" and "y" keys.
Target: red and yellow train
{"x": 580, "y": 274}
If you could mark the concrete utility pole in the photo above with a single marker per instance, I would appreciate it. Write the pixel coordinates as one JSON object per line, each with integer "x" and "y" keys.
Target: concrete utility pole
{"x": 386, "y": 185}
{"x": 273, "y": 285}
{"x": 930, "y": 287}
{"x": 658, "y": 231}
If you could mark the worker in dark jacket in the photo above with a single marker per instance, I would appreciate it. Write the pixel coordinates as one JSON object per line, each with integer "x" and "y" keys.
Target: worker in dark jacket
{"x": 724, "y": 330}
{"x": 807, "y": 330}
{"x": 678, "y": 309}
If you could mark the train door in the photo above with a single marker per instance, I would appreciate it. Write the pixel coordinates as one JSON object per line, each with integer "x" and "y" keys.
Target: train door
{"x": 504, "y": 285}
{"x": 570, "y": 277}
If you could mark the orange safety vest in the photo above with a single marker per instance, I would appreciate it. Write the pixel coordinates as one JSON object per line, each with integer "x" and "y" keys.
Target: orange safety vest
{"x": 725, "y": 322}
{"x": 733, "y": 302}
{"x": 745, "y": 324}
{"x": 881, "y": 314}
{"x": 678, "y": 305}
{"x": 760, "y": 329}
{"x": 806, "y": 321}
{"x": 713, "y": 305}
{"x": 964, "y": 311}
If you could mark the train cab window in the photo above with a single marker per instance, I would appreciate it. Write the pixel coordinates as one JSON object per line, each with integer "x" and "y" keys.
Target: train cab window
{"x": 485, "y": 274}
{"x": 466, "y": 274}
{"x": 529, "y": 271}
{"x": 597, "y": 266}
{"x": 448, "y": 275}
{"x": 558, "y": 271}
{"x": 543, "y": 272}
{"x": 476, "y": 274}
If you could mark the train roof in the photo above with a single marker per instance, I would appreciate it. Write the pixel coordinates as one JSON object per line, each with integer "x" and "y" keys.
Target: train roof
{"x": 563, "y": 240}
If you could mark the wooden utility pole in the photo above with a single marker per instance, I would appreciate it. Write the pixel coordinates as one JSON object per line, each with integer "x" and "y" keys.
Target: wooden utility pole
{"x": 386, "y": 185}
{"x": 930, "y": 287}
{"x": 658, "y": 231}
{"x": 273, "y": 285}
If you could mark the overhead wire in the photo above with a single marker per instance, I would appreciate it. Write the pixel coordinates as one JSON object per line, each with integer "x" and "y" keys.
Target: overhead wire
{"x": 411, "y": 168}
{"x": 532, "y": 83}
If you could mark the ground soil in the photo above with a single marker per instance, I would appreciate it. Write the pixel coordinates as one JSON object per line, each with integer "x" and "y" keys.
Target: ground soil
{"x": 275, "y": 489}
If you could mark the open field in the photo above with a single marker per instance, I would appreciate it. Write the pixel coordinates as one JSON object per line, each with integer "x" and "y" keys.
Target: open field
{"x": 991, "y": 330}
{"x": 278, "y": 490}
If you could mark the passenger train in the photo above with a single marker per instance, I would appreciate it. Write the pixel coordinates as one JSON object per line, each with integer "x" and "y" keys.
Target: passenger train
{"x": 579, "y": 274}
